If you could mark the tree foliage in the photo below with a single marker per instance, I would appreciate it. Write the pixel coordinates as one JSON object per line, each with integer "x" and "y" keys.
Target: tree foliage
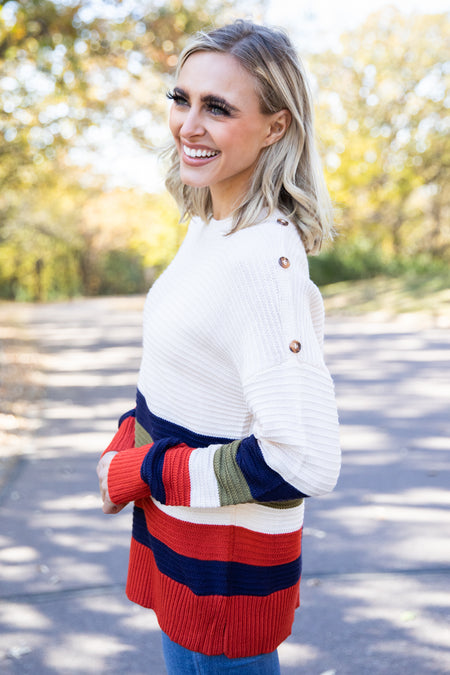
{"x": 383, "y": 116}
{"x": 79, "y": 76}
{"x": 75, "y": 76}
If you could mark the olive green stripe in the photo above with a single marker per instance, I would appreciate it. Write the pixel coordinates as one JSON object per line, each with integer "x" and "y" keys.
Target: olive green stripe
{"x": 233, "y": 488}
{"x": 288, "y": 504}
{"x": 141, "y": 436}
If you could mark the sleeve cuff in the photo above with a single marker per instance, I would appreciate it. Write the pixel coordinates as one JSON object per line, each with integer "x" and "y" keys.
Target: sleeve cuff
{"x": 124, "y": 476}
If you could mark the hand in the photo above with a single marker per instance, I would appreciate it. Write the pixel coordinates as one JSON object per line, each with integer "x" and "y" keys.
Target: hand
{"x": 102, "y": 473}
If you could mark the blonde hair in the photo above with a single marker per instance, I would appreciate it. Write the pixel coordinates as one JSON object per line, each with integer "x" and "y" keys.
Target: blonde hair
{"x": 288, "y": 175}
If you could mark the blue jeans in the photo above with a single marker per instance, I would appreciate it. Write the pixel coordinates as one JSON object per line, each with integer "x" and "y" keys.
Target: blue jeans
{"x": 181, "y": 661}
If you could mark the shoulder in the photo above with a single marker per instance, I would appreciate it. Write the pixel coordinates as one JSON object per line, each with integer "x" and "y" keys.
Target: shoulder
{"x": 266, "y": 268}
{"x": 271, "y": 300}
{"x": 272, "y": 243}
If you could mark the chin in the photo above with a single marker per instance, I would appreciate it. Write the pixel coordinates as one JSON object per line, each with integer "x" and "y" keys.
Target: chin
{"x": 192, "y": 182}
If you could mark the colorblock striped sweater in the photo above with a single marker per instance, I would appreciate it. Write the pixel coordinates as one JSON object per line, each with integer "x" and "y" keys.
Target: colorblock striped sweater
{"x": 235, "y": 423}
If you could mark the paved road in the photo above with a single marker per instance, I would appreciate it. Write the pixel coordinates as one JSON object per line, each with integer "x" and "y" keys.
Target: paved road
{"x": 376, "y": 588}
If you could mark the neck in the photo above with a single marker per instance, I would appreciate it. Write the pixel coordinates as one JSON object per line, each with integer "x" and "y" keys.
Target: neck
{"x": 223, "y": 208}
{"x": 227, "y": 198}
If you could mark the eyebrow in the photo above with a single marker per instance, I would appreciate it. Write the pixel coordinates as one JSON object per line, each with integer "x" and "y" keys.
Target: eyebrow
{"x": 209, "y": 98}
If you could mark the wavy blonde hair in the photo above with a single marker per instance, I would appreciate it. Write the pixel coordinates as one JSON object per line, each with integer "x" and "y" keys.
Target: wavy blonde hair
{"x": 288, "y": 174}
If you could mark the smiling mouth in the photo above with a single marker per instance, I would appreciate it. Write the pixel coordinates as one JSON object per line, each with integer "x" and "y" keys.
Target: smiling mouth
{"x": 197, "y": 153}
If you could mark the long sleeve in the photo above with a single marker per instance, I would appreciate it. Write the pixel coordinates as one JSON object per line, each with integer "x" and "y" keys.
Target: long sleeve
{"x": 124, "y": 476}
{"x": 124, "y": 436}
{"x": 124, "y": 483}
{"x": 293, "y": 451}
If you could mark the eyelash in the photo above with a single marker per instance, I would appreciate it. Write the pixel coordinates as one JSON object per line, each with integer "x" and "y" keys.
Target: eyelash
{"x": 221, "y": 107}
{"x": 176, "y": 98}
{"x": 216, "y": 108}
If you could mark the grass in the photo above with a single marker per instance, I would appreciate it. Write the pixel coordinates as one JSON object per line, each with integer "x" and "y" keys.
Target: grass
{"x": 20, "y": 392}
{"x": 390, "y": 297}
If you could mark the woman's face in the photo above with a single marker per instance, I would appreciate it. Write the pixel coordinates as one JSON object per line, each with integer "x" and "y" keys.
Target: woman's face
{"x": 218, "y": 128}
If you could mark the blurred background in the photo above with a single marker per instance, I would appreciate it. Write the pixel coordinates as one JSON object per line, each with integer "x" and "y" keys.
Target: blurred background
{"x": 83, "y": 212}
{"x": 83, "y": 116}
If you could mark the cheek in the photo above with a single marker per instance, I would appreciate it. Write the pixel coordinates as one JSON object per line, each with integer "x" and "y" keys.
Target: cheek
{"x": 249, "y": 138}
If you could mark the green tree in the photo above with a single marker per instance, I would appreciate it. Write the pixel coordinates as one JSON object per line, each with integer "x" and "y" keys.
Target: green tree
{"x": 72, "y": 74}
{"x": 383, "y": 119}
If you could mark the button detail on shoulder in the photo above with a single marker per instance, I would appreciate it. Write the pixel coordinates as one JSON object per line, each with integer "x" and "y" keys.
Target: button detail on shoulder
{"x": 295, "y": 346}
{"x": 284, "y": 262}
{"x": 282, "y": 221}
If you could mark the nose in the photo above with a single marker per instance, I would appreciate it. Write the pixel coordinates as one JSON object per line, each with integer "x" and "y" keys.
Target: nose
{"x": 192, "y": 124}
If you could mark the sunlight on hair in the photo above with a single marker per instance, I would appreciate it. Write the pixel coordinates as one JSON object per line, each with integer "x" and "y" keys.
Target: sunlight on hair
{"x": 288, "y": 174}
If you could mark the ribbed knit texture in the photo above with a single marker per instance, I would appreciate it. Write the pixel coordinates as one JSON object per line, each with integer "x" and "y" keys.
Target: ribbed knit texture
{"x": 124, "y": 438}
{"x": 234, "y": 392}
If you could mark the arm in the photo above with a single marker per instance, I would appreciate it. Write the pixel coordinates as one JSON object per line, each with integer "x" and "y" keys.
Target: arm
{"x": 293, "y": 448}
{"x": 124, "y": 436}
{"x": 293, "y": 452}
{"x": 122, "y": 441}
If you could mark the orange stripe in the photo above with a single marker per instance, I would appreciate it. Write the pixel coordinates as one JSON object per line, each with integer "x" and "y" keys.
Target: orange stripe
{"x": 221, "y": 542}
{"x": 123, "y": 438}
{"x": 175, "y": 475}
{"x": 253, "y": 625}
{"x": 124, "y": 476}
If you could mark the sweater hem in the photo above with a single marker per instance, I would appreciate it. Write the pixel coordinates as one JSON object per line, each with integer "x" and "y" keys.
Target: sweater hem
{"x": 237, "y": 626}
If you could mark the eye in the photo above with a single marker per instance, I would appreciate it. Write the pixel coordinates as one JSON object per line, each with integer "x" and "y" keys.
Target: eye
{"x": 177, "y": 98}
{"x": 218, "y": 108}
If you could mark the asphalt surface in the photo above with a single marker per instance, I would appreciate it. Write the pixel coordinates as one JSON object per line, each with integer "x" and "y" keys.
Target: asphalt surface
{"x": 376, "y": 582}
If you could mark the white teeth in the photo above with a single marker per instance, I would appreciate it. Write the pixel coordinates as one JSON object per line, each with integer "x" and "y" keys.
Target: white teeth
{"x": 191, "y": 152}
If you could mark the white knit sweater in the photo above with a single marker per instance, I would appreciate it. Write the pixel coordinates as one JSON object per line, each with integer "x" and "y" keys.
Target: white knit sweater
{"x": 235, "y": 394}
{"x": 218, "y": 325}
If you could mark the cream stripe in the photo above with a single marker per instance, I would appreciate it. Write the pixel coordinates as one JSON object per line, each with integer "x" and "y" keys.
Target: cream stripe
{"x": 251, "y": 516}
{"x": 204, "y": 488}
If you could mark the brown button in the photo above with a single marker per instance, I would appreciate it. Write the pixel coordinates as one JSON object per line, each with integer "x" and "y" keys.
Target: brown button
{"x": 282, "y": 221}
{"x": 284, "y": 262}
{"x": 295, "y": 346}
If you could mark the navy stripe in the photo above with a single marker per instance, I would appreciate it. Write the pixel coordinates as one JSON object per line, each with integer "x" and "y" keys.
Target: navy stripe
{"x": 130, "y": 413}
{"x": 266, "y": 485}
{"x": 152, "y": 467}
{"x": 214, "y": 577}
{"x": 159, "y": 428}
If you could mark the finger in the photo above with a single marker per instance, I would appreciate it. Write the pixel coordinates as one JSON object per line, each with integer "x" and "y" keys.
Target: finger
{"x": 110, "y": 508}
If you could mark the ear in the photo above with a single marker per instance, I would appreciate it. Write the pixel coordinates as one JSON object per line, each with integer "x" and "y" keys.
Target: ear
{"x": 279, "y": 124}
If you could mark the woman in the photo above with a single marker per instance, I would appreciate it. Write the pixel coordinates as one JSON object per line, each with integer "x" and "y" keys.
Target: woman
{"x": 235, "y": 420}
